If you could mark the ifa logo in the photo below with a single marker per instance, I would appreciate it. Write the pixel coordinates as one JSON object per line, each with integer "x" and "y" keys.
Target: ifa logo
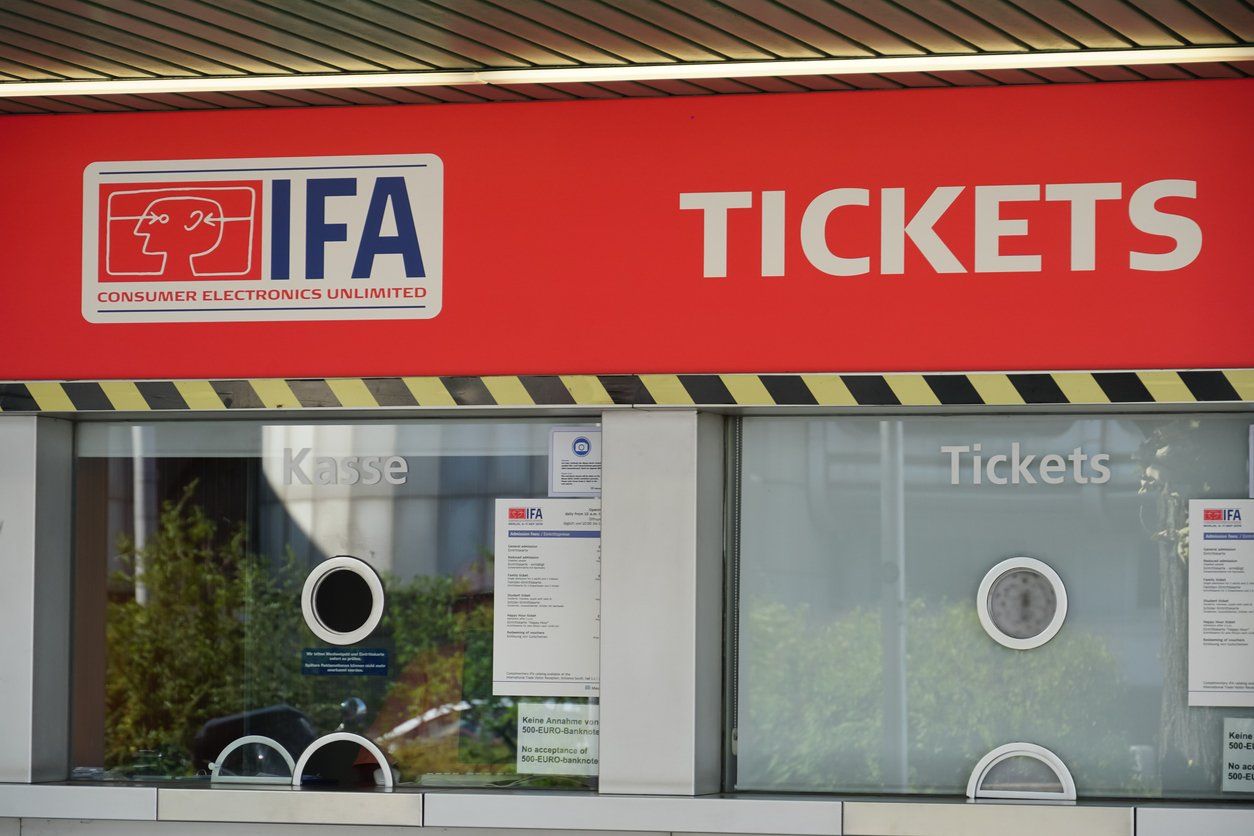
{"x": 274, "y": 238}
{"x": 526, "y": 514}
{"x": 1221, "y": 514}
{"x": 180, "y": 232}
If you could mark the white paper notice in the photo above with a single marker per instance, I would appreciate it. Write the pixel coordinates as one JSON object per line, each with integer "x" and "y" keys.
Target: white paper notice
{"x": 1221, "y": 602}
{"x": 558, "y": 738}
{"x": 575, "y": 461}
{"x": 1238, "y": 754}
{"x": 546, "y": 632}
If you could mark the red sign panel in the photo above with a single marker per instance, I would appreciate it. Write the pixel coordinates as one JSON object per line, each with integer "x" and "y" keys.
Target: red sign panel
{"x": 1056, "y": 227}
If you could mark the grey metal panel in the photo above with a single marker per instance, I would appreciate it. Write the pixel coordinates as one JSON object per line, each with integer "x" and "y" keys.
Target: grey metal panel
{"x": 1074, "y": 23}
{"x": 194, "y": 101}
{"x": 159, "y": 29}
{"x": 196, "y": 26}
{"x": 84, "y": 39}
{"x": 906, "y": 24}
{"x": 286, "y": 38}
{"x": 56, "y": 104}
{"x": 362, "y": 97}
{"x": 642, "y": 30}
{"x": 18, "y": 32}
{"x": 1195, "y": 821}
{"x": 590, "y": 32}
{"x": 216, "y": 804}
{"x": 542, "y": 92}
{"x": 98, "y": 104}
{"x": 637, "y": 89}
{"x": 23, "y": 71}
{"x": 394, "y": 45}
{"x": 75, "y": 19}
{"x": 1015, "y": 77}
{"x": 486, "y": 92}
{"x": 661, "y": 604}
{"x": 35, "y": 502}
{"x": 1114, "y": 74}
{"x": 767, "y": 23}
{"x": 123, "y": 803}
{"x": 52, "y": 492}
{"x": 112, "y": 49}
{"x": 61, "y": 827}
{"x": 1030, "y": 30}
{"x": 1161, "y": 72}
{"x": 1235, "y": 16}
{"x": 1065, "y": 75}
{"x": 26, "y": 52}
{"x": 583, "y": 90}
{"x": 535, "y": 42}
{"x": 870, "y": 81}
{"x": 918, "y": 79}
{"x": 875, "y": 38}
{"x": 964, "y": 78}
{"x": 726, "y": 85}
{"x": 426, "y": 95}
{"x": 1212, "y": 70}
{"x": 774, "y": 84}
{"x": 559, "y": 812}
{"x": 698, "y": 31}
{"x": 905, "y": 818}
{"x": 1185, "y": 21}
{"x": 15, "y": 106}
{"x": 963, "y": 24}
{"x": 675, "y": 87}
{"x": 1130, "y": 22}
{"x": 428, "y": 28}
{"x": 818, "y": 82}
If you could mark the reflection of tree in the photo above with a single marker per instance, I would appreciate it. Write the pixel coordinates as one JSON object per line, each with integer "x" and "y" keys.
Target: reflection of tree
{"x": 179, "y": 659}
{"x": 812, "y": 708}
{"x": 221, "y": 632}
{"x": 1179, "y": 466}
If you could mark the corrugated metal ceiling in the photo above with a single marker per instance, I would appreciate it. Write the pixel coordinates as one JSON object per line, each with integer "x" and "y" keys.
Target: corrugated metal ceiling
{"x": 58, "y": 40}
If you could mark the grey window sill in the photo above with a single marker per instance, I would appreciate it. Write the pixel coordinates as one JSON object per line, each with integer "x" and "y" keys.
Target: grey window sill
{"x": 724, "y": 814}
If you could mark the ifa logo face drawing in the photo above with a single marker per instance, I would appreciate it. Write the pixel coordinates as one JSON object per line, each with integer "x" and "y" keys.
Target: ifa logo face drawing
{"x": 180, "y": 232}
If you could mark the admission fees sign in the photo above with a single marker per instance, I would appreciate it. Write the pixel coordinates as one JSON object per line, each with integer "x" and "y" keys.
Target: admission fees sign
{"x": 1086, "y": 226}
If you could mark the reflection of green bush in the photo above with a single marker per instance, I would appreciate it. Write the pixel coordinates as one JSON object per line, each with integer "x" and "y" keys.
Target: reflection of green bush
{"x": 812, "y": 700}
{"x": 220, "y": 631}
{"x": 212, "y": 613}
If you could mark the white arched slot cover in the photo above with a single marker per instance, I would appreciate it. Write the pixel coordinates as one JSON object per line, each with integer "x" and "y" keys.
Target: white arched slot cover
{"x": 215, "y": 768}
{"x": 385, "y": 771}
{"x": 977, "y": 790}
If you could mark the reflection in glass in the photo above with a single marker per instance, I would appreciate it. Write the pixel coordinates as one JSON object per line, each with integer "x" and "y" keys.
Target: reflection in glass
{"x": 253, "y": 759}
{"x": 193, "y": 542}
{"x": 1021, "y": 774}
{"x": 862, "y": 665}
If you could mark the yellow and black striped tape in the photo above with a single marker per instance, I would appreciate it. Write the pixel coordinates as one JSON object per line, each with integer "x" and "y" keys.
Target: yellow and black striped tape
{"x": 988, "y": 388}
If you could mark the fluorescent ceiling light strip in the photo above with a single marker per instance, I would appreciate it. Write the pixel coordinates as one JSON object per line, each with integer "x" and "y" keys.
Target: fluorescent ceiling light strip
{"x": 635, "y": 72}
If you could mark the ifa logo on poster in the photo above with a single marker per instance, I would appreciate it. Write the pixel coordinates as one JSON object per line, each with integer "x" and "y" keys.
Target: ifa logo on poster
{"x": 526, "y": 514}
{"x": 356, "y": 237}
{"x": 1221, "y": 514}
{"x": 180, "y": 231}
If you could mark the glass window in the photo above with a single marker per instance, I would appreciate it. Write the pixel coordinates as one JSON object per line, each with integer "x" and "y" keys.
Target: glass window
{"x": 193, "y": 545}
{"x": 861, "y": 660}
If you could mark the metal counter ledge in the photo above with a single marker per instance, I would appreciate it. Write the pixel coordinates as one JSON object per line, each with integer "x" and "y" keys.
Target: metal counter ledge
{"x": 554, "y": 811}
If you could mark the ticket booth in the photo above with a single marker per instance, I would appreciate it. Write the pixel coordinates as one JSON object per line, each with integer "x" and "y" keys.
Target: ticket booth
{"x": 729, "y": 471}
